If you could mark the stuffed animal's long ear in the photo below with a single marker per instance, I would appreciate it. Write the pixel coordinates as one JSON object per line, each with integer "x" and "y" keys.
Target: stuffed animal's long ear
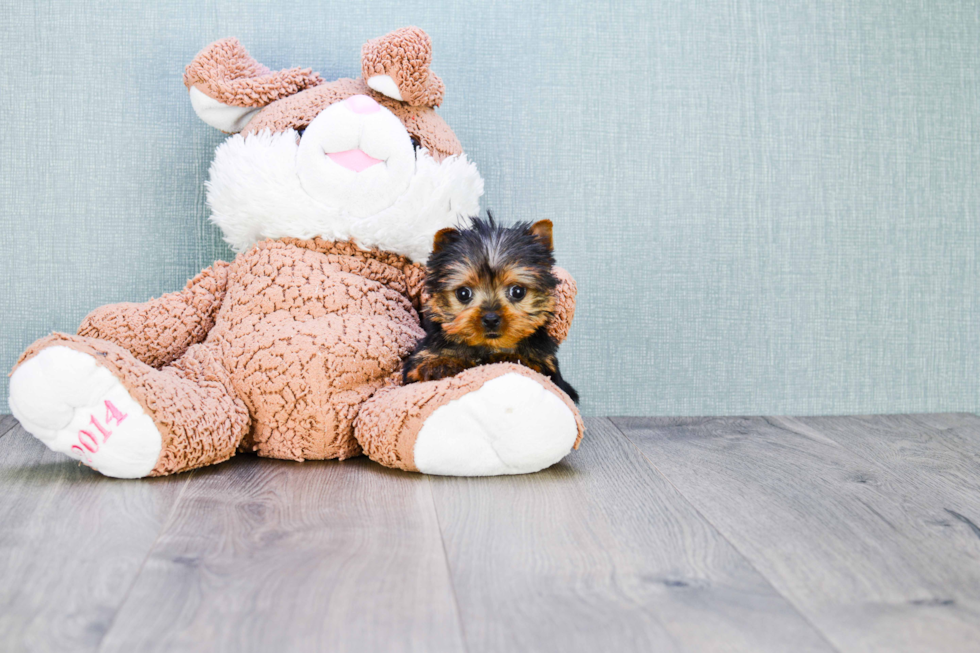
{"x": 443, "y": 238}
{"x": 227, "y": 86}
{"x": 542, "y": 229}
{"x": 397, "y": 65}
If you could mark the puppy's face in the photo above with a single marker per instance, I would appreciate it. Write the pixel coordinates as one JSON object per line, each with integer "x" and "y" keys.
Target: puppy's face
{"x": 492, "y": 286}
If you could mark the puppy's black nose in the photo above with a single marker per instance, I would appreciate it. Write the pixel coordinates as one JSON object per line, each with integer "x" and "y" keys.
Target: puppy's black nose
{"x": 491, "y": 320}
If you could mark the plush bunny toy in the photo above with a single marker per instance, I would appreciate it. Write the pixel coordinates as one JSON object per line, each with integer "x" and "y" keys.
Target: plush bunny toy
{"x": 331, "y": 192}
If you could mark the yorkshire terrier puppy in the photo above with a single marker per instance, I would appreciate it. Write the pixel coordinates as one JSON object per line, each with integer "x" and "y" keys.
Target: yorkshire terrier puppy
{"x": 491, "y": 297}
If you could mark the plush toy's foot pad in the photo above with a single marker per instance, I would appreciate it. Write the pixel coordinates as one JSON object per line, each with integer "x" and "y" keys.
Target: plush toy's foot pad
{"x": 510, "y": 425}
{"x": 77, "y": 407}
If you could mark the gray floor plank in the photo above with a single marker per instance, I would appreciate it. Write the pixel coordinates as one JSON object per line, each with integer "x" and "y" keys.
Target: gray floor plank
{"x": 938, "y": 457}
{"x": 71, "y": 544}
{"x": 960, "y": 432}
{"x": 866, "y": 528}
{"x": 600, "y": 553}
{"x": 951, "y": 420}
{"x": 7, "y": 424}
{"x": 869, "y": 559}
{"x": 266, "y": 555}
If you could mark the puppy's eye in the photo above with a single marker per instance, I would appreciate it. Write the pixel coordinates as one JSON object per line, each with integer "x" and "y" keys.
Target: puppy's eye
{"x": 415, "y": 143}
{"x": 517, "y": 293}
{"x": 464, "y": 294}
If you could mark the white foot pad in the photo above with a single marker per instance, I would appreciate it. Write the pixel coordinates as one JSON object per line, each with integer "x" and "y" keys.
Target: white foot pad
{"x": 510, "y": 425}
{"x": 77, "y": 407}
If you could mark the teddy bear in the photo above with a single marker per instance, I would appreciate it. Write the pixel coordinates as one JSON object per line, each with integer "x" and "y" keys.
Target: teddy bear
{"x": 330, "y": 193}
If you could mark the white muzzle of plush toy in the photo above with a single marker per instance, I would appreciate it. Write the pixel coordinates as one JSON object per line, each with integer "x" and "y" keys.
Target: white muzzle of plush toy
{"x": 357, "y": 155}
{"x": 353, "y": 175}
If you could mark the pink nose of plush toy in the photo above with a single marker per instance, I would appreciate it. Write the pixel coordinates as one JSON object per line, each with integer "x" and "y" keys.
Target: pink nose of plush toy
{"x": 362, "y": 104}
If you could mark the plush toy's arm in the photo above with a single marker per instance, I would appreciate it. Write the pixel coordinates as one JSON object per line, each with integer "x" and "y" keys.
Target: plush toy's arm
{"x": 564, "y": 306}
{"x": 160, "y": 330}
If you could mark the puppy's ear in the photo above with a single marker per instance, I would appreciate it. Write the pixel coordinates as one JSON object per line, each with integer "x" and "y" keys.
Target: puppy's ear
{"x": 443, "y": 238}
{"x": 542, "y": 229}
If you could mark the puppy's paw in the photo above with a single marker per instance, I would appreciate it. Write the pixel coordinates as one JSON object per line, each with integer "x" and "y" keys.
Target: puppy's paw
{"x": 426, "y": 365}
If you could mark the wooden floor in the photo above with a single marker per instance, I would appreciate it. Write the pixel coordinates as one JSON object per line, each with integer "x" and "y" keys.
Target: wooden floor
{"x": 689, "y": 534}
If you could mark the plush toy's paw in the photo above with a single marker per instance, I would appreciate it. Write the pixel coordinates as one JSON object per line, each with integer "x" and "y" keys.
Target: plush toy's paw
{"x": 77, "y": 407}
{"x": 510, "y": 425}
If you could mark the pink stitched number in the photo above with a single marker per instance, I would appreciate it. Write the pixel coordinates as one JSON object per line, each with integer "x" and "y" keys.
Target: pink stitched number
{"x": 113, "y": 413}
{"x": 102, "y": 430}
{"x": 88, "y": 441}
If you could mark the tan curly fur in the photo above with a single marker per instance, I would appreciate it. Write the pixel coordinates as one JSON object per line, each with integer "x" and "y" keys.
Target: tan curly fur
{"x": 277, "y": 353}
{"x": 226, "y": 72}
{"x": 405, "y": 56}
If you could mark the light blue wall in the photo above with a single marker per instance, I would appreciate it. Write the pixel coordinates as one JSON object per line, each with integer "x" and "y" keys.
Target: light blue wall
{"x": 771, "y": 207}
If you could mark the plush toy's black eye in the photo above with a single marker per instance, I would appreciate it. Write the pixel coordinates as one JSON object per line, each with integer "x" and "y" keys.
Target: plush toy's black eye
{"x": 517, "y": 293}
{"x": 464, "y": 294}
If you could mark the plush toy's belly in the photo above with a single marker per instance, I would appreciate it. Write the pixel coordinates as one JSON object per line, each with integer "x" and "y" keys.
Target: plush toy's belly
{"x": 307, "y": 339}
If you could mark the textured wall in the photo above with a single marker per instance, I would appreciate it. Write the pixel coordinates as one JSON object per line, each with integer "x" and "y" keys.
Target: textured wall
{"x": 771, "y": 207}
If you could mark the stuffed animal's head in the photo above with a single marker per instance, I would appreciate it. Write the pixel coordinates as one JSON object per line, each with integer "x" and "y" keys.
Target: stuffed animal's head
{"x": 367, "y": 159}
